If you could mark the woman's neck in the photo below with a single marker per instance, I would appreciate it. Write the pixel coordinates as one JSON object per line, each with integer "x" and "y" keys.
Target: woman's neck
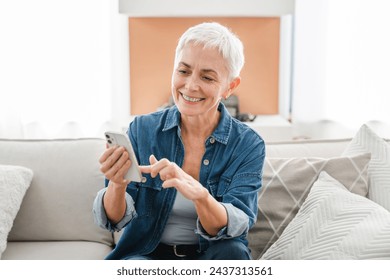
{"x": 199, "y": 126}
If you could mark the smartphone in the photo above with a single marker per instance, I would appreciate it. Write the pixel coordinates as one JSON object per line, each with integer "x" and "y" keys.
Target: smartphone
{"x": 120, "y": 139}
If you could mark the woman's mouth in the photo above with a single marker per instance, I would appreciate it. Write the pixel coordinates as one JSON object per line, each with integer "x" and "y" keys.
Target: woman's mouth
{"x": 191, "y": 99}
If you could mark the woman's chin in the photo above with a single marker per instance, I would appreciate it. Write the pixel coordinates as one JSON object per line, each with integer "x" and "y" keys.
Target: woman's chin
{"x": 184, "y": 110}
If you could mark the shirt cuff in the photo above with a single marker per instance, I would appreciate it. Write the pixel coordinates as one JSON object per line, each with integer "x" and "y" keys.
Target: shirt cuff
{"x": 100, "y": 215}
{"x": 238, "y": 223}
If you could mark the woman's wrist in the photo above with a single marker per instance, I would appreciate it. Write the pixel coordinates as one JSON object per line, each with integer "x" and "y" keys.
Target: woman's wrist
{"x": 118, "y": 186}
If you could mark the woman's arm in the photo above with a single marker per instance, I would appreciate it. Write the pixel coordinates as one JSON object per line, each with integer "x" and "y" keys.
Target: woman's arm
{"x": 211, "y": 213}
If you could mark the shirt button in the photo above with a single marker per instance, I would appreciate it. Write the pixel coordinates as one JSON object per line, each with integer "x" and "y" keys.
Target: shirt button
{"x": 212, "y": 140}
{"x": 206, "y": 162}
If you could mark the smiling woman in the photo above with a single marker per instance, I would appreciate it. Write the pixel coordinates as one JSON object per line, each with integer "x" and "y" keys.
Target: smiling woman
{"x": 200, "y": 81}
{"x": 202, "y": 168}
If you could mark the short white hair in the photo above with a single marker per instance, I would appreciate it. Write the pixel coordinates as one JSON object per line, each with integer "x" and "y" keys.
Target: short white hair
{"x": 215, "y": 35}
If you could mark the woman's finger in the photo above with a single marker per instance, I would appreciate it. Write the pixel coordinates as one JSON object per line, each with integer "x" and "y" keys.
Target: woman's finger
{"x": 152, "y": 159}
{"x": 115, "y": 169}
{"x": 157, "y": 166}
{"x": 120, "y": 174}
{"x": 106, "y": 154}
{"x": 148, "y": 168}
{"x": 109, "y": 161}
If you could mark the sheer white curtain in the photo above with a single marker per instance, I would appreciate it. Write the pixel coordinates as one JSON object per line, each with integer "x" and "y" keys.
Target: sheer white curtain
{"x": 55, "y": 77}
{"x": 358, "y": 61}
{"x": 342, "y": 63}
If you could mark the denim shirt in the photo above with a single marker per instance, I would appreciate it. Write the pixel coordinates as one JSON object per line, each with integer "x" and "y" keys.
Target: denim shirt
{"x": 231, "y": 170}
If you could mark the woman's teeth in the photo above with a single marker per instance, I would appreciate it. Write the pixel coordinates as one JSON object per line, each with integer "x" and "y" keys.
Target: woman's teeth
{"x": 191, "y": 99}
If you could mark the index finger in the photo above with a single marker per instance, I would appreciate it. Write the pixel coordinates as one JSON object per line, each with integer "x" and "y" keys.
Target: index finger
{"x": 145, "y": 168}
{"x": 106, "y": 154}
{"x": 148, "y": 168}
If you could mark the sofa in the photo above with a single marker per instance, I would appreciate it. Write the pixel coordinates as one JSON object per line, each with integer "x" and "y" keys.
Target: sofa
{"x": 47, "y": 188}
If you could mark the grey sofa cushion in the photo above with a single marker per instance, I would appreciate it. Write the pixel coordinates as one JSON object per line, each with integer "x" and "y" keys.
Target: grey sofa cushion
{"x": 58, "y": 204}
{"x": 56, "y": 250}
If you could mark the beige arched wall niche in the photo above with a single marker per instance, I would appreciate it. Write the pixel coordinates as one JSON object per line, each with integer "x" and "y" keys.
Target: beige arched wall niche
{"x": 152, "y": 46}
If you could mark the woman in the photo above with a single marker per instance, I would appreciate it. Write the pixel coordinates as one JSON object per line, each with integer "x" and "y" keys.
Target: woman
{"x": 202, "y": 168}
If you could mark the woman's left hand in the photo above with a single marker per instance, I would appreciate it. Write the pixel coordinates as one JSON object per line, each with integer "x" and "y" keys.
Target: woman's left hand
{"x": 174, "y": 176}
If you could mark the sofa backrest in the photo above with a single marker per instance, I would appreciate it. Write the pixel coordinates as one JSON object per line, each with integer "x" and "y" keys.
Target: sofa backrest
{"x": 58, "y": 204}
{"x": 307, "y": 148}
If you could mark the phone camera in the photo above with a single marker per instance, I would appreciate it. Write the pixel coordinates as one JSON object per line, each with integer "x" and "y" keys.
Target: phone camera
{"x": 109, "y": 141}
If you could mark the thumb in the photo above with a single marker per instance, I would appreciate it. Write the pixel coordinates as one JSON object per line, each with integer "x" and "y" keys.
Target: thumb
{"x": 152, "y": 159}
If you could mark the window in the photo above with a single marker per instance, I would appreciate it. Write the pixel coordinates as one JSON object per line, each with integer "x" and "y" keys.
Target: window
{"x": 55, "y": 68}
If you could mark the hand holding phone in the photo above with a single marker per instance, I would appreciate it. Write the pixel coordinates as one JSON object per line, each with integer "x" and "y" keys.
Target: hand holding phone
{"x": 119, "y": 139}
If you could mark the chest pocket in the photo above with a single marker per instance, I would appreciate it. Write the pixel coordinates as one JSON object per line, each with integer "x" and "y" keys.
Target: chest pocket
{"x": 148, "y": 195}
{"x": 218, "y": 187}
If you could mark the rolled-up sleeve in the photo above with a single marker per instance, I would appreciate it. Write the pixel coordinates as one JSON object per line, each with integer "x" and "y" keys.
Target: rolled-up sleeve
{"x": 100, "y": 215}
{"x": 236, "y": 226}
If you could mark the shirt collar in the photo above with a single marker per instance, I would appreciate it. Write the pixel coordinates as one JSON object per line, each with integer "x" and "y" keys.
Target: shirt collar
{"x": 220, "y": 134}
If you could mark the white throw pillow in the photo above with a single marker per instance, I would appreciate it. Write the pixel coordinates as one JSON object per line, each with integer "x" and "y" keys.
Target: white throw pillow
{"x": 286, "y": 184}
{"x": 14, "y": 182}
{"x": 367, "y": 141}
{"x": 334, "y": 223}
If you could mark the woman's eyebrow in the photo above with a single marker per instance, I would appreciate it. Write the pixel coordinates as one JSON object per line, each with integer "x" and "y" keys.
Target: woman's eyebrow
{"x": 203, "y": 70}
{"x": 209, "y": 71}
{"x": 184, "y": 64}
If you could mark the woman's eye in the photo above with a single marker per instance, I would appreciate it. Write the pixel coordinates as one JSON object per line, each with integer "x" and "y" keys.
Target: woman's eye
{"x": 182, "y": 71}
{"x": 208, "y": 78}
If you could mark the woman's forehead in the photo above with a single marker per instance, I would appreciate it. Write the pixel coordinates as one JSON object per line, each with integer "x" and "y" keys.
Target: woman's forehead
{"x": 208, "y": 59}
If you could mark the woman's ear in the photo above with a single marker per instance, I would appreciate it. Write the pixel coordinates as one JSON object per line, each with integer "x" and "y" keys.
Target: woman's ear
{"x": 232, "y": 86}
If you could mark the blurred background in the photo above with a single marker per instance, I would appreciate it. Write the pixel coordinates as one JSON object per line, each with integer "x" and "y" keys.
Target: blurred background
{"x": 66, "y": 67}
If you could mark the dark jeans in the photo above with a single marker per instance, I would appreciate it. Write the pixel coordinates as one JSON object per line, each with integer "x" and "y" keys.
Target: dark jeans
{"x": 227, "y": 249}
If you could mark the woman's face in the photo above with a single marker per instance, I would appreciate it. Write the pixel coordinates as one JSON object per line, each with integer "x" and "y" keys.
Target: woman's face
{"x": 199, "y": 81}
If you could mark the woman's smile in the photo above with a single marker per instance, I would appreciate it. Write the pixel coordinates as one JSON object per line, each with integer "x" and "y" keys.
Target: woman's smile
{"x": 191, "y": 99}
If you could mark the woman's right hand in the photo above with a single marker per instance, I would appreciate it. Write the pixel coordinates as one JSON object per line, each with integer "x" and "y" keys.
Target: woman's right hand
{"x": 114, "y": 163}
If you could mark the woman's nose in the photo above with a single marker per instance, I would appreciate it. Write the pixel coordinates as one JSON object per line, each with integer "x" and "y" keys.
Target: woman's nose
{"x": 192, "y": 83}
